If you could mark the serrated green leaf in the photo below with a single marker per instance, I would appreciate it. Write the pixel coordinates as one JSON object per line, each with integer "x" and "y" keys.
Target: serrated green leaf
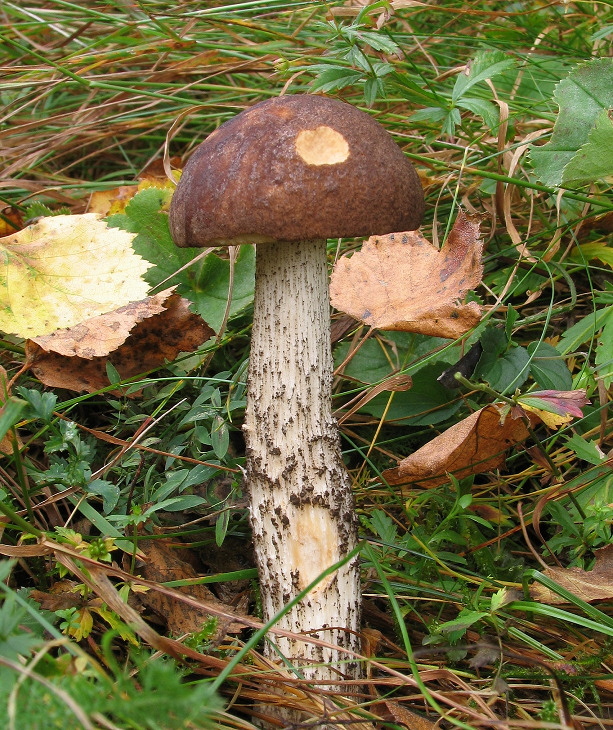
{"x": 485, "y": 65}
{"x": 594, "y": 159}
{"x": 586, "y": 450}
{"x": 581, "y": 96}
{"x": 379, "y": 42}
{"x": 333, "y": 79}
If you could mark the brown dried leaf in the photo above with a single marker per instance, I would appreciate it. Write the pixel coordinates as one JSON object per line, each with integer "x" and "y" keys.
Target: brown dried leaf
{"x": 62, "y": 594}
{"x": 402, "y": 282}
{"x": 136, "y": 338}
{"x": 397, "y": 714}
{"x": 472, "y": 446}
{"x": 588, "y": 585}
{"x": 163, "y": 564}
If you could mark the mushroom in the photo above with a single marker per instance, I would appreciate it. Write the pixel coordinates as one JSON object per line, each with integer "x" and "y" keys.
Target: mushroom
{"x": 287, "y": 174}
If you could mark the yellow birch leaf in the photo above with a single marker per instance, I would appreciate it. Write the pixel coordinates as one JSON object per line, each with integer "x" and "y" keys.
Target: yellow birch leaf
{"x": 64, "y": 269}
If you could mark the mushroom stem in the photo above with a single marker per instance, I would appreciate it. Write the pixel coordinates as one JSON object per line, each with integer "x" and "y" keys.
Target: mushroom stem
{"x": 302, "y": 510}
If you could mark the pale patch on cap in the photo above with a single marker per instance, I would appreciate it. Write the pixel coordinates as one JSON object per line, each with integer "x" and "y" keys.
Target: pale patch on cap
{"x": 322, "y": 146}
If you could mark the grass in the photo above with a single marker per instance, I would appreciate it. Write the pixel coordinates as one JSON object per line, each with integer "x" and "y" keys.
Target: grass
{"x": 94, "y": 95}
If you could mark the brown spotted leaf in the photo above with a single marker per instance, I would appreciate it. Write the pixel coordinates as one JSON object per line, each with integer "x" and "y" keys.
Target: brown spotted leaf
{"x": 588, "y": 585}
{"x": 402, "y": 282}
{"x": 474, "y": 445}
{"x": 136, "y": 338}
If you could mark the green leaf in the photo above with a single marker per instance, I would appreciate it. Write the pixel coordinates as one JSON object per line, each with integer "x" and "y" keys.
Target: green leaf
{"x": 501, "y": 365}
{"x": 414, "y": 92}
{"x": 144, "y": 216}
{"x": 221, "y": 527}
{"x": 588, "y": 251}
{"x": 373, "y": 88}
{"x": 333, "y": 79}
{"x": 379, "y": 42}
{"x": 112, "y": 373}
{"x": 484, "y": 109}
{"x": 426, "y": 403}
{"x": 582, "y": 97}
{"x": 107, "y": 490}
{"x": 466, "y": 618}
{"x": 205, "y": 283}
{"x": 594, "y": 159}
{"x": 10, "y": 413}
{"x": 430, "y": 114}
{"x": 604, "y": 353}
{"x": 451, "y": 121}
{"x": 42, "y": 404}
{"x": 586, "y": 450}
{"x": 485, "y": 65}
{"x": 548, "y": 368}
{"x": 585, "y": 330}
{"x": 220, "y": 437}
{"x": 509, "y": 371}
{"x": 383, "y": 526}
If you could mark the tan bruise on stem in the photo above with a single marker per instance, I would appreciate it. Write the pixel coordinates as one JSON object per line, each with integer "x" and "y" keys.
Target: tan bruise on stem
{"x": 322, "y": 146}
{"x": 313, "y": 525}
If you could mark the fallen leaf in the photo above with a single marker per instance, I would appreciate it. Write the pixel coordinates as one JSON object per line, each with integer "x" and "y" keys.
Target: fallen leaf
{"x": 402, "y": 282}
{"x": 397, "y": 714}
{"x": 588, "y": 585}
{"x": 474, "y": 445}
{"x": 136, "y": 338}
{"x": 110, "y": 202}
{"x": 61, "y": 595}
{"x": 65, "y": 269}
{"x": 11, "y": 221}
{"x": 161, "y": 564}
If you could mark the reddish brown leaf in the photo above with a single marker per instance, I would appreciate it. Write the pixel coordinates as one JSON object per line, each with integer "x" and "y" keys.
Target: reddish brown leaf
{"x": 588, "y": 585}
{"x": 472, "y": 446}
{"x": 402, "y": 282}
{"x": 135, "y": 339}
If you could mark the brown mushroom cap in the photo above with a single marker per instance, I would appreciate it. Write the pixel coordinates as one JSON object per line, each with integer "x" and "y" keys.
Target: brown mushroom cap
{"x": 294, "y": 168}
